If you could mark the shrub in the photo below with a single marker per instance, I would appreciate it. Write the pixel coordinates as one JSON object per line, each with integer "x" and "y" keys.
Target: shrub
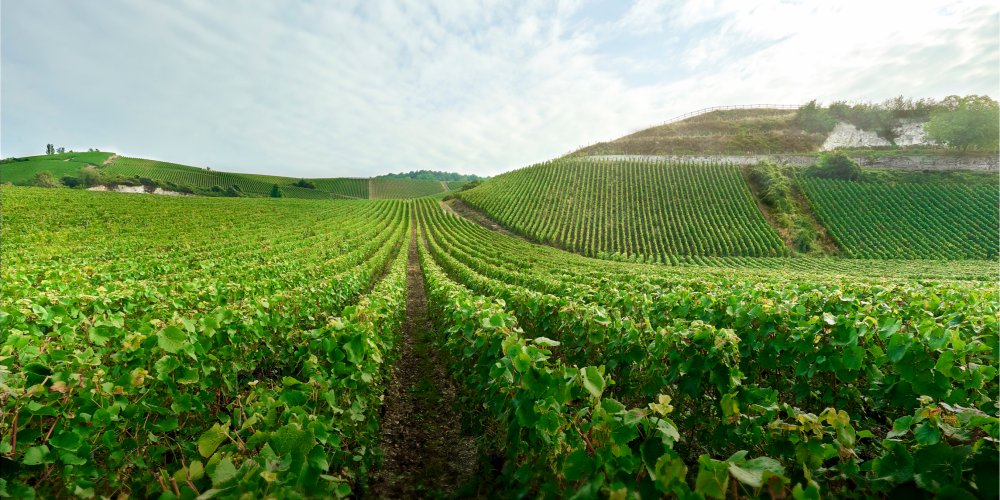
{"x": 471, "y": 184}
{"x": 90, "y": 177}
{"x": 776, "y": 189}
{"x": 815, "y": 119}
{"x": 45, "y": 179}
{"x": 276, "y": 192}
{"x": 233, "y": 192}
{"x": 837, "y": 166}
{"x": 302, "y": 183}
{"x": 70, "y": 181}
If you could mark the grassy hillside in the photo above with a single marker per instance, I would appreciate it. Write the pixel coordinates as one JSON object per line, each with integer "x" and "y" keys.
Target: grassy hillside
{"x": 630, "y": 207}
{"x": 738, "y": 131}
{"x": 59, "y": 165}
{"x": 213, "y": 182}
{"x": 885, "y": 219}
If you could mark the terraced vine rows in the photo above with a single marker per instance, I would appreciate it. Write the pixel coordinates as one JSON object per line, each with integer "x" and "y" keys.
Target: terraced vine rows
{"x": 158, "y": 345}
{"x": 618, "y": 378}
{"x": 639, "y": 209}
{"x": 908, "y": 220}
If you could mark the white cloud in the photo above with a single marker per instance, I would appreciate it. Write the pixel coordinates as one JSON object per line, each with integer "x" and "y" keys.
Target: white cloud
{"x": 327, "y": 89}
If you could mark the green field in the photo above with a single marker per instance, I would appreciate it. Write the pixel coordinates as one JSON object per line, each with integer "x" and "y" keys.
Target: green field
{"x": 636, "y": 208}
{"x": 59, "y": 165}
{"x": 202, "y": 180}
{"x": 940, "y": 220}
{"x": 265, "y": 369}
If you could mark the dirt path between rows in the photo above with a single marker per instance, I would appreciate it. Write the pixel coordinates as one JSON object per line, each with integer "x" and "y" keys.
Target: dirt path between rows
{"x": 445, "y": 186}
{"x": 426, "y": 454}
{"x": 110, "y": 159}
{"x": 461, "y": 209}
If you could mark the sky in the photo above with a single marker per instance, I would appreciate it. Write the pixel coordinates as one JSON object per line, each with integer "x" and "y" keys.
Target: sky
{"x": 326, "y": 89}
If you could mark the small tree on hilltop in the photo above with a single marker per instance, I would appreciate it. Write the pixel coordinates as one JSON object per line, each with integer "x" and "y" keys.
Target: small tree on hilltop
{"x": 50, "y": 149}
{"x": 276, "y": 191}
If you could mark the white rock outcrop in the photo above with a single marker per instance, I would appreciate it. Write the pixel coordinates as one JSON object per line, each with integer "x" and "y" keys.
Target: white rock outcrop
{"x": 846, "y": 135}
{"x": 136, "y": 190}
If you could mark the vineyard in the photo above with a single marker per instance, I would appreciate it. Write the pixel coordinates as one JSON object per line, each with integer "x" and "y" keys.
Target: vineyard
{"x": 206, "y": 181}
{"x": 224, "y": 347}
{"x": 59, "y": 165}
{"x": 637, "y": 209}
{"x": 183, "y": 346}
{"x": 908, "y": 220}
{"x": 603, "y": 380}
{"x": 380, "y": 189}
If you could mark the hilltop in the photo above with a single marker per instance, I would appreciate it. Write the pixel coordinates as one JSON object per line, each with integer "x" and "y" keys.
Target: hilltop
{"x": 926, "y": 126}
{"x": 109, "y": 171}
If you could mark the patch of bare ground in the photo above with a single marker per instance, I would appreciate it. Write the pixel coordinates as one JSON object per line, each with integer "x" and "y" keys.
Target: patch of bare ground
{"x": 458, "y": 207}
{"x": 110, "y": 159}
{"x": 426, "y": 453}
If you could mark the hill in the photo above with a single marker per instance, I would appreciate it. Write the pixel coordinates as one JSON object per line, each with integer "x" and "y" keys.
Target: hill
{"x": 722, "y": 131}
{"x": 114, "y": 170}
{"x": 926, "y": 125}
{"x": 646, "y": 208}
{"x": 658, "y": 210}
{"x": 23, "y": 170}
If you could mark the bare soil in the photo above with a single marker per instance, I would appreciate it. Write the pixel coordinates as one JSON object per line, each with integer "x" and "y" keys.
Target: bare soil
{"x": 426, "y": 454}
{"x": 461, "y": 209}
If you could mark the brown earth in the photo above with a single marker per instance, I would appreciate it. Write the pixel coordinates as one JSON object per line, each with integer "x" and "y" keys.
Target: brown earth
{"x": 426, "y": 454}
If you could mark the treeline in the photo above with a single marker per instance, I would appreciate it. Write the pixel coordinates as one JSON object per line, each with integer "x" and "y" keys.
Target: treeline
{"x": 431, "y": 175}
{"x": 965, "y": 123}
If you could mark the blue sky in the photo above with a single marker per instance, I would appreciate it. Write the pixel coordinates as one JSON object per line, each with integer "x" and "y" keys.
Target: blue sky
{"x": 326, "y": 89}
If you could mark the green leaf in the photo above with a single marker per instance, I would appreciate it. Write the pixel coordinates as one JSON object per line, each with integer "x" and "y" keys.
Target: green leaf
{"x": 829, "y": 319}
{"x": 36, "y": 455}
{"x": 67, "y": 440}
{"x": 898, "y": 345}
{"x": 670, "y": 470}
{"x": 547, "y": 342}
{"x": 99, "y": 335}
{"x": 165, "y": 365}
{"x": 713, "y": 477}
{"x": 896, "y": 464}
{"x": 730, "y": 406}
{"x": 171, "y": 339}
{"x": 224, "y": 472}
{"x": 210, "y": 440}
{"x": 927, "y": 433}
{"x": 69, "y": 458}
{"x": 578, "y": 464}
{"x": 755, "y": 472}
{"x": 853, "y": 357}
{"x": 355, "y": 349}
{"x": 945, "y": 363}
{"x": 593, "y": 381}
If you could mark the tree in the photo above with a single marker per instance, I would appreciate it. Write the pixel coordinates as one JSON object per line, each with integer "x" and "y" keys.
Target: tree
{"x": 969, "y": 122}
{"x": 276, "y": 192}
{"x": 50, "y": 149}
{"x": 60, "y": 150}
{"x": 302, "y": 183}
